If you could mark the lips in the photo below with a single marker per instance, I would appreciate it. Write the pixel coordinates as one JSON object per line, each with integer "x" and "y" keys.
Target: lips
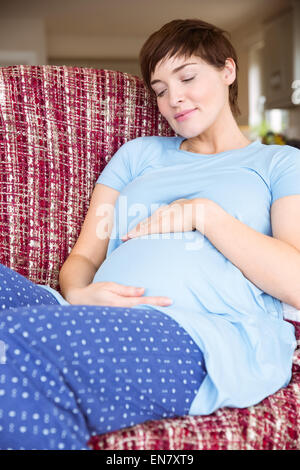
{"x": 183, "y": 113}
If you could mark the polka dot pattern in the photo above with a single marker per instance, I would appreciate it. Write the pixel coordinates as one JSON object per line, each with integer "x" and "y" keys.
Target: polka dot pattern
{"x": 74, "y": 371}
{"x": 16, "y": 290}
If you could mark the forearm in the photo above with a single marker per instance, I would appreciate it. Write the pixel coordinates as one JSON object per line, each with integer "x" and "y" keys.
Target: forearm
{"x": 77, "y": 271}
{"x": 270, "y": 264}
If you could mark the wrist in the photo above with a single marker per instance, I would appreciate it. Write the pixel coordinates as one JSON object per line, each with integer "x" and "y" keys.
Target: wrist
{"x": 71, "y": 295}
{"x": 204, "y": 213}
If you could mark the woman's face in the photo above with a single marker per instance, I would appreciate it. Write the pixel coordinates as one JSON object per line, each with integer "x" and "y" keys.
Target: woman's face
{"x": 190, "y": 84}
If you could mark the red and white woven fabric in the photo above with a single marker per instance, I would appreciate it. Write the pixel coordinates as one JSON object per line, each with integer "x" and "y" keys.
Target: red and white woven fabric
{"x": 59, "y": 126}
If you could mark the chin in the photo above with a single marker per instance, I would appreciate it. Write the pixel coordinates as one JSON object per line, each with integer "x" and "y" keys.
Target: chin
{"x": 192, "y": 129}
{"x": 187, "y": 130}
{"x": 189, "y": 133}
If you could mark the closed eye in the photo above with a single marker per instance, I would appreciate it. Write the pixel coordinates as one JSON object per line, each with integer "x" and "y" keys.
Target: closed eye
{"x": 162, "y": 92}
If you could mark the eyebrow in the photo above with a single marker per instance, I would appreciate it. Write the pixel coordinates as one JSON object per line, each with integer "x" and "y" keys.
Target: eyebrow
{"x": 174, "y": 71}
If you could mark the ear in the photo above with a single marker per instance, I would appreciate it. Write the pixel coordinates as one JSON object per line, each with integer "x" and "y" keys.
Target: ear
{"x": 229, "y": 71}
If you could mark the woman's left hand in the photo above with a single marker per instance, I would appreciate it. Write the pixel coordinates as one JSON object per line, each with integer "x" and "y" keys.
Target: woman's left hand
{"x": 182, "y": 215}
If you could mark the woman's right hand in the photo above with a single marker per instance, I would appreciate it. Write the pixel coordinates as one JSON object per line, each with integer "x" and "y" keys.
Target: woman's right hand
{"x": 113, "y": 294}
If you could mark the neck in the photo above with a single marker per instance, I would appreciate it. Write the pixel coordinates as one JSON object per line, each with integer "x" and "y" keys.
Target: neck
{"x": 223, "y": 135}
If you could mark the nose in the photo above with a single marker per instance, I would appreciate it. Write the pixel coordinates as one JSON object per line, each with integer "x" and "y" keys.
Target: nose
{"x": 175, "y": 96}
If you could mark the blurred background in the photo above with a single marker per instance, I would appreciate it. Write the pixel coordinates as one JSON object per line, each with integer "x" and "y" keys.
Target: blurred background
{"x": 108, "y": 34}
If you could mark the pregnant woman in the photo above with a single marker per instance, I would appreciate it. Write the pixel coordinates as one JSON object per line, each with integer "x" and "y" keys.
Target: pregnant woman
{"x": 172, "y": 296}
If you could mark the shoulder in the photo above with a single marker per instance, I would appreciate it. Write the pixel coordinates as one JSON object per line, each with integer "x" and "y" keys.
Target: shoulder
{"x": 285, "y": 172}
{"x": 277, "y": 158}
{"x": 281, "y": 151}
{"x": 284, "y": 156}
{"x": 143, "y": 151}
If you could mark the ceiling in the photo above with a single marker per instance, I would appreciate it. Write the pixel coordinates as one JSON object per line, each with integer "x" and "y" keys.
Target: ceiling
{"x": 137, "y": 17}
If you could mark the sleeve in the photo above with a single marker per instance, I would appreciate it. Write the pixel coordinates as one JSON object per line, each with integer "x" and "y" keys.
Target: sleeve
{"x": 285, "y": 173}
{"x": 120, "y": 169}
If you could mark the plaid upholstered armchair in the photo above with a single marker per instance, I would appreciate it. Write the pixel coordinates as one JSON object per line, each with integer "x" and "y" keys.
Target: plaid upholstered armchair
{"x": 59, "y": 126}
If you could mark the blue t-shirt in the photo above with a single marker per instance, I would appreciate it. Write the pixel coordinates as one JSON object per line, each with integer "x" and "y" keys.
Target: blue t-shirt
{"x": 247, "y": 345}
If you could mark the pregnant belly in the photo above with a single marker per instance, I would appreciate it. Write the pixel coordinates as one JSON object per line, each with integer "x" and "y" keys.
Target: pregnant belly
{"x": 188, "y": 270}
{"x": 155, "y": 264}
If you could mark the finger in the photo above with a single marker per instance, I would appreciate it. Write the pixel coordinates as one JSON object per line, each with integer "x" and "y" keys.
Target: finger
{"x": 123, "y": 301}
{"x": 126, "y": 237}
{"x": 140, "y": 229}
{"x": 127, "y": 291}
{"x": 162, "y": 301}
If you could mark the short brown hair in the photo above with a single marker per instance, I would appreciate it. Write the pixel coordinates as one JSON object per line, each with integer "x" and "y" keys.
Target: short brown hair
{"x": 186, "y": 38}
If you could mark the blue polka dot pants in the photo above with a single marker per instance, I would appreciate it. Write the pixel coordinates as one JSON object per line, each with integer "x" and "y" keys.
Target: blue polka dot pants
{"x": 16, "y": 291}
{"x": 68, "y": 372}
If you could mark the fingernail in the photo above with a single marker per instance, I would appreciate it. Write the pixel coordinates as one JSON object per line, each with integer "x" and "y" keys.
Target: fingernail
{"x": 167, "y": 302}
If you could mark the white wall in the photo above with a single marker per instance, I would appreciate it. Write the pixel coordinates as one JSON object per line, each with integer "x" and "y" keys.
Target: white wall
{"x": 22, "y": 41}
{"x": 101, "y": 52}
{"x": 26, "y": 41}
{"x": 112, "y": 47}
{"x": 243, "y": 39}
{"x": 294, "y": 114}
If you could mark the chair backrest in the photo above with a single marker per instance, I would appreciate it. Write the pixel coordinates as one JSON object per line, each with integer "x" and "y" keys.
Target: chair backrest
{"x": 59, "y": 126}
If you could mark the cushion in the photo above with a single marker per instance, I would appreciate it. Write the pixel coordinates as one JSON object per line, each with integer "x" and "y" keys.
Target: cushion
{"x": 273, "y": 424}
